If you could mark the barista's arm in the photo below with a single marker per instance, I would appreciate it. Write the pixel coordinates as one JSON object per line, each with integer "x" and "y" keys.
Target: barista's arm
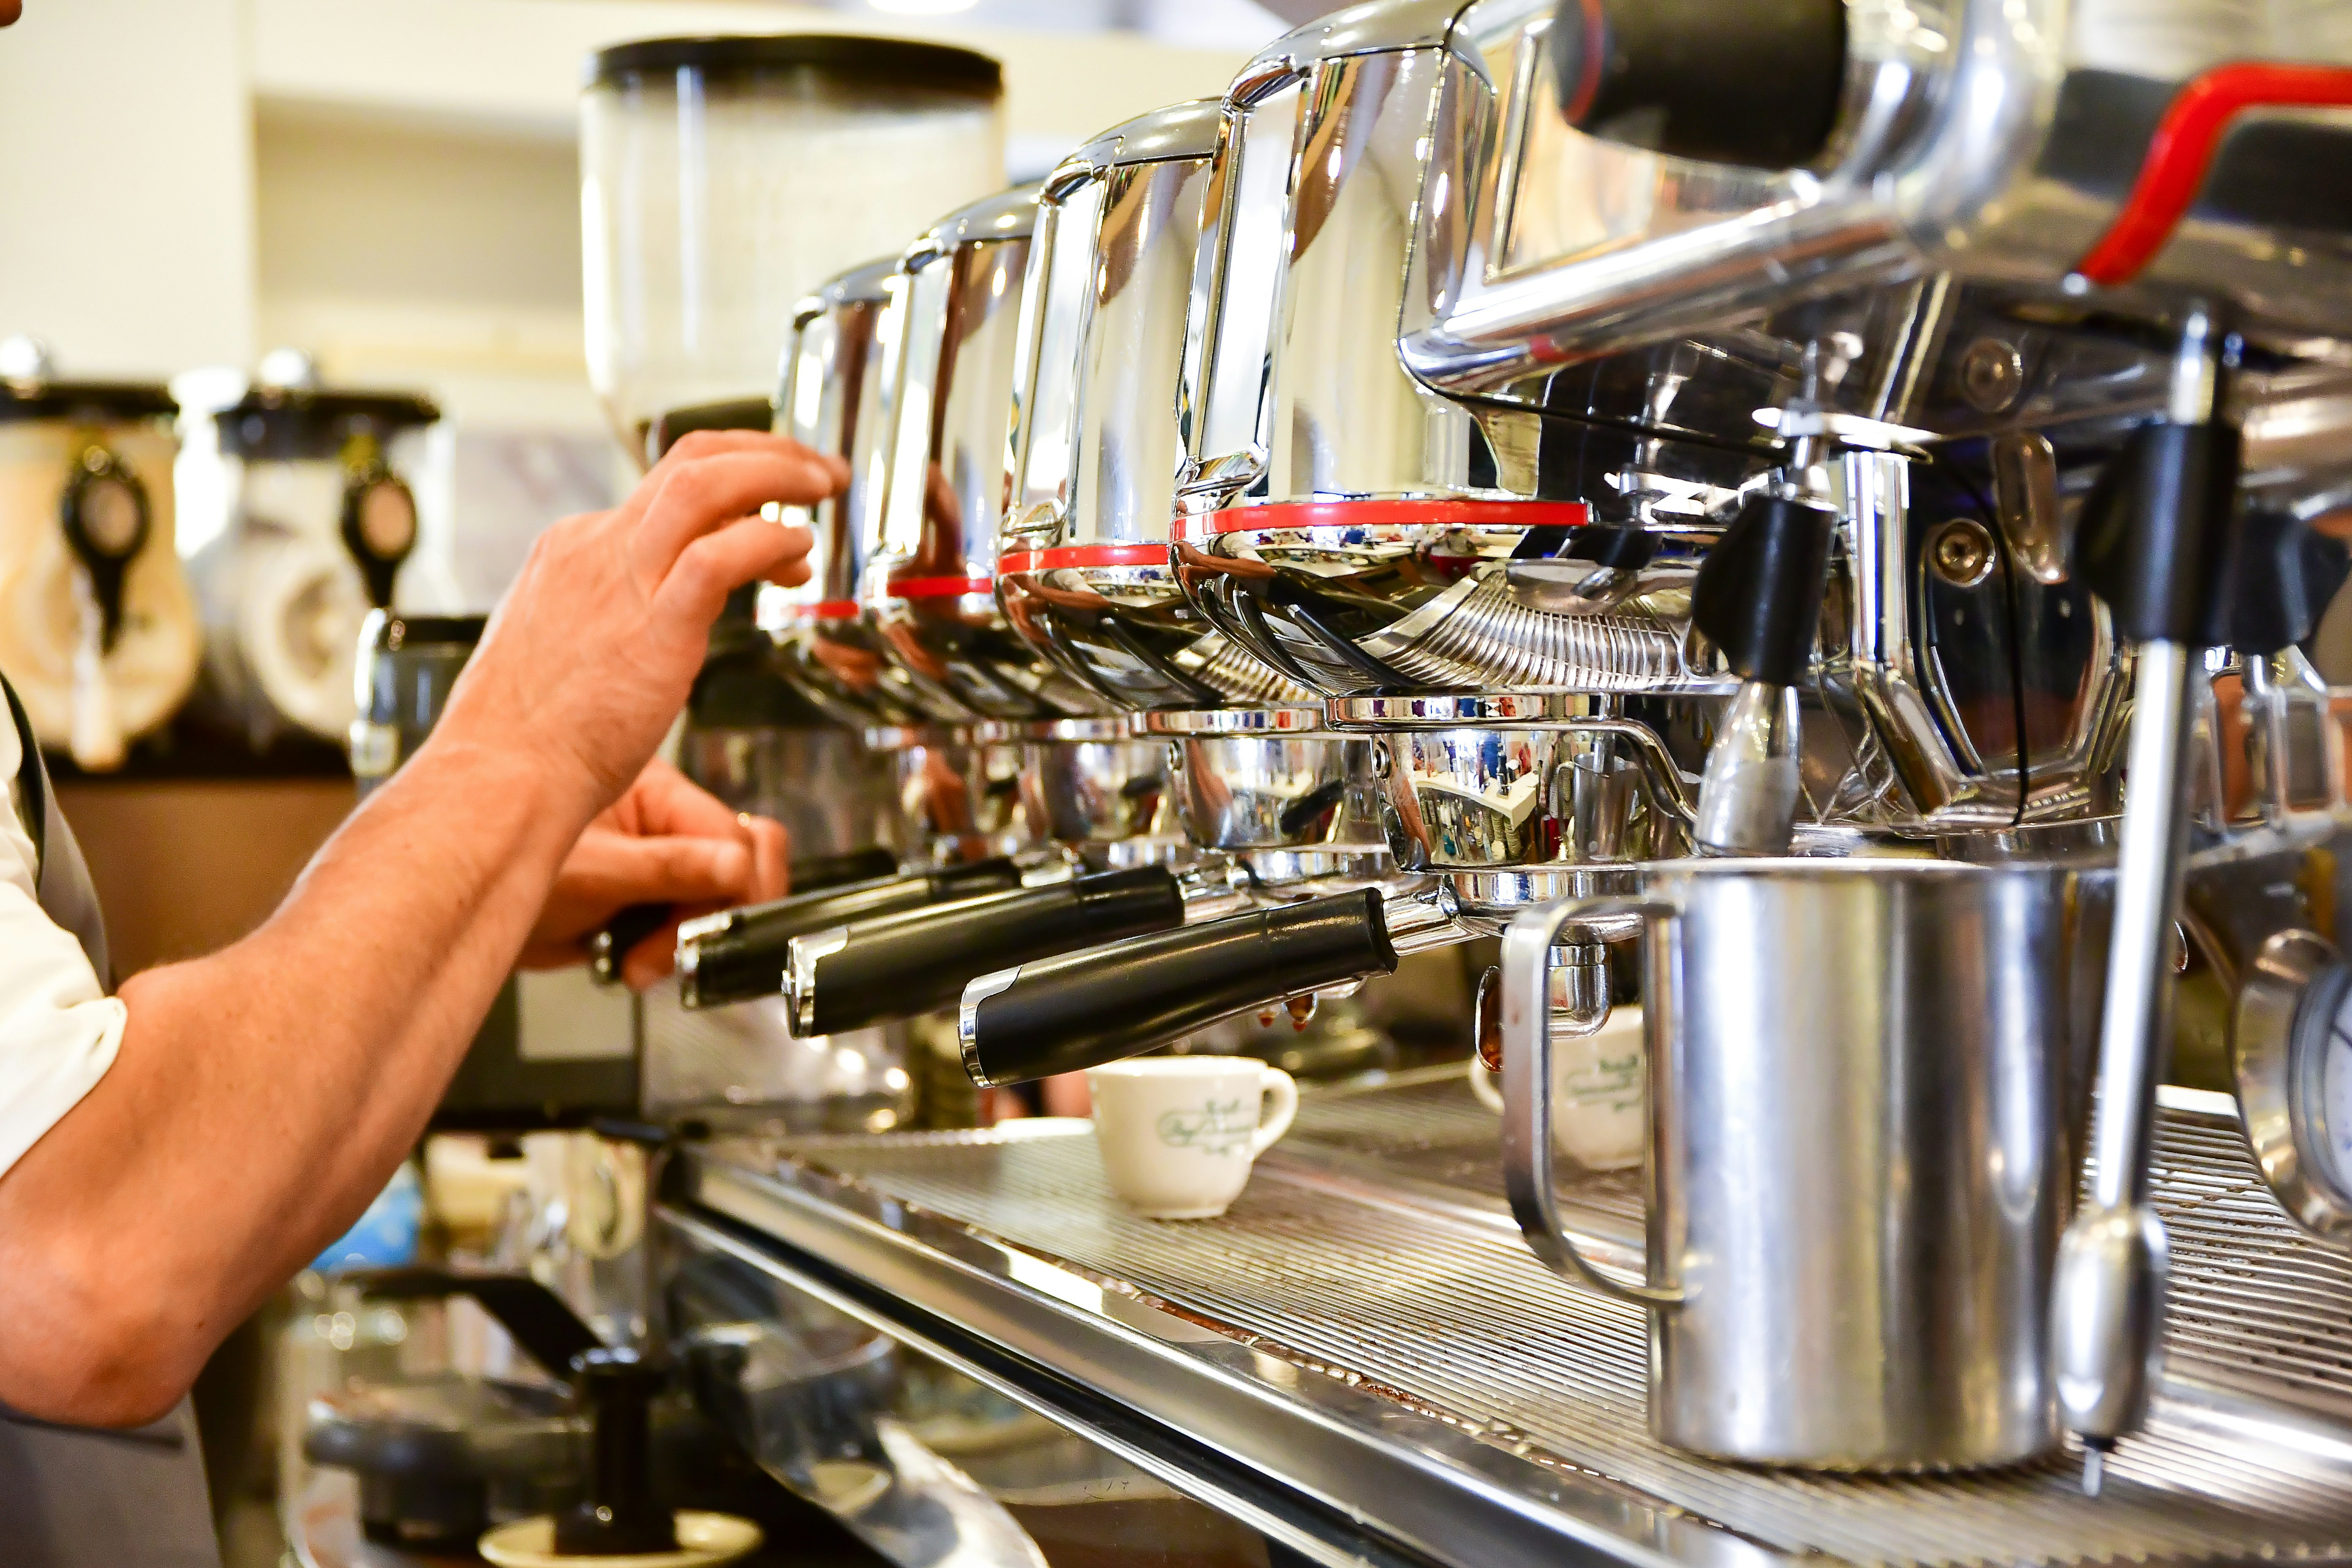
{"x": 261, "y": 1096}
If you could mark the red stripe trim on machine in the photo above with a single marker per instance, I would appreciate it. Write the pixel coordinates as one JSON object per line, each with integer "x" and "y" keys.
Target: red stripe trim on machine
{"x": 938, "y": 587}
{"x": 1083, "y": 555}
{"x": 2181, "y": 151}
{"x": 1441, "y": 511}
{"x": 829, "y": 610}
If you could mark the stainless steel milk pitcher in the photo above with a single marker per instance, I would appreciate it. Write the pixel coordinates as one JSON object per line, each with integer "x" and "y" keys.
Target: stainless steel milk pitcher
{"x": 1858, "y": 1161}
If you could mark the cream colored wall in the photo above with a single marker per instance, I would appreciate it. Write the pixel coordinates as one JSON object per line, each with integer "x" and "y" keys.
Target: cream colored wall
{"x": 410, "y": 253}
{"x": 518, "y": 61}
{"x": 126, "y": 184}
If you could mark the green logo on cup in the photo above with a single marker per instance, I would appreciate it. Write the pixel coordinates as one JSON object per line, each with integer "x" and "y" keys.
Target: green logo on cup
{"x": 1220, "y": 1127}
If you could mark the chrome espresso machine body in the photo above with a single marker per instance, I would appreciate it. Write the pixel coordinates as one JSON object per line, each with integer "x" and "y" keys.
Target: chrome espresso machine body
{"x": 1264, "y": 811}
{"x": 1087, "y": 574}
{"x": 960, "y": 828}
{"x": 1501, "y": 598}
{"x": 1826, "y": 491}
{"x": 1014, "y": 781}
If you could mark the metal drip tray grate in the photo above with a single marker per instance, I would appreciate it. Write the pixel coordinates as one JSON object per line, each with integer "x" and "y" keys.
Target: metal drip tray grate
{"x": 1373, "y": 1248}
{"x": 2251, "y": 1294}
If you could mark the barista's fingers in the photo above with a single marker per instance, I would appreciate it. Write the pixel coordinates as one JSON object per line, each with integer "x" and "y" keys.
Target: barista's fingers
{"x": 695, "y": 586}
{"x": 693, "y": 500}
{"x": 693, "y": 446}
{"x": 792, "y": 574}
{"x": 618, "y": 869}
{"x": 664, "y": 801}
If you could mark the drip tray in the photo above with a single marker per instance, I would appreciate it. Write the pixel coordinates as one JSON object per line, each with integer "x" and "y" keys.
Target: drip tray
{"x": 1372, "y": 1249}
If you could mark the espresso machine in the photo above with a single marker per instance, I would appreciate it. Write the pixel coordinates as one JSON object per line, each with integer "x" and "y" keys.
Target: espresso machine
{"x": 706, "y": 163}
{"x": 1012, "y": 777}
{"x": 955, "y": 805}
{"x": 1812, "y": 495}
{"x": 1264, "y": 812}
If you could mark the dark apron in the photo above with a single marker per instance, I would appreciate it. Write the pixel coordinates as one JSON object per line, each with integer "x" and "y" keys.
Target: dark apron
{"x": 71, "y": 1498}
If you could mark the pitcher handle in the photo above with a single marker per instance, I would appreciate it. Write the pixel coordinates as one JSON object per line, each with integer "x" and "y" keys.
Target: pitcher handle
{"x": 1527, "y": 1087}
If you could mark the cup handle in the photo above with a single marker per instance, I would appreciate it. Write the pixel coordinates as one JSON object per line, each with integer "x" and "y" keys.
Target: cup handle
{"x": 1482, "y": 1085}
{"x": 1527, "y": 1087}
{"x": 1285, "y": 1090}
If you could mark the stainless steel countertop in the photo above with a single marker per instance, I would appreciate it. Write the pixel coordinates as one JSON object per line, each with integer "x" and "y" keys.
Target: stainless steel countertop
{"x": 1362, "y": 1359}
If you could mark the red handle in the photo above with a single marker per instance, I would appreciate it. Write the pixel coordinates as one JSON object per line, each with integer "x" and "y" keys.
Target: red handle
{"x": 2182, "y": 151}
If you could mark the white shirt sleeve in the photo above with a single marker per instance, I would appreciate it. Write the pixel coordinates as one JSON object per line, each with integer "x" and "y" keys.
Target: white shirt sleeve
{"x": 59, "y": 1030}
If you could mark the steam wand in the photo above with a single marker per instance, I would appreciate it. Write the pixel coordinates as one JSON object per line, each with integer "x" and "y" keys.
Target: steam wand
{"x": 2154, "y": 546}
{"x": 1759, "y": 599}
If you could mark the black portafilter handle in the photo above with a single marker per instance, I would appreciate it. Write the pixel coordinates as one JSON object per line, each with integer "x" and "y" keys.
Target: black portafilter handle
{"x": 608, "y": 947}
{"x": 620, "y": 1516}
{"x": 1083, "y": 1009}
{"x": 900, "y": 966}
{"x": 1758, "y": 84}
{"x": 741, "y": 953}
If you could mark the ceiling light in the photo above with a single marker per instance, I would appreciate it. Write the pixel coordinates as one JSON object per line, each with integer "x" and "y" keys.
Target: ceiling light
{"x": 921, "y": 7}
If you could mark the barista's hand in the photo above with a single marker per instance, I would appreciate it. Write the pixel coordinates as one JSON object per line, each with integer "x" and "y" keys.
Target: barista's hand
{"x": 593, "y": 651}
{"x": 664, "y": 841}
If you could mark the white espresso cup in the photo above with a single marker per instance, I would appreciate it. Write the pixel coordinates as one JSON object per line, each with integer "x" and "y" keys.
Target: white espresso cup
{"x": 1599, "y": 1115}
{"x": 1178, "y": 1133}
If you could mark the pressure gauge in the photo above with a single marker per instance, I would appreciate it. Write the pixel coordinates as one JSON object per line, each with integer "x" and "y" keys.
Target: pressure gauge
{"x": 2293, "y": 1049}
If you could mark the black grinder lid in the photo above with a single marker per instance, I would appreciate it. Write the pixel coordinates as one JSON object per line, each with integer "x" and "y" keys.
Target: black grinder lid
{"x": 838, "y": 58}
{"x": 287, "y": 424}
{"x": 85, "y": 401}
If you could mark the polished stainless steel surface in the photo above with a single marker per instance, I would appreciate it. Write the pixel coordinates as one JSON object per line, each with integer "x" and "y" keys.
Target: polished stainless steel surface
{"x": 840, "y": 375}
{"x": 2284, "y": 1033}
{"x": 1092, "y": 784}
{"x": 1106, "y": 397}
{"x": 1858, "y": 1151}
{"x": 931, "y": 590}
{"x": 959, "y": 797}
{"x": 1958, "y": 150}
{"x": 831, "y": 793}
{"x": 1915, "y": 683}
{"x": 922, "y": 1465}
{"x": 1310, "y": 209}
{"x": 1748, "y": 791}
{"x": 2295, "y": 748}
{"x": 1366, "y": 1329}
{"x": 1351, "y": 529}
{"x": 1259, "y": 779}
{"x": 1555, "y": 785}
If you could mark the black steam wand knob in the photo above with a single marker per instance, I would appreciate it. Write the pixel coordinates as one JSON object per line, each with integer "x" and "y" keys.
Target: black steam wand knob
{"x": 1756, "y": 84}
